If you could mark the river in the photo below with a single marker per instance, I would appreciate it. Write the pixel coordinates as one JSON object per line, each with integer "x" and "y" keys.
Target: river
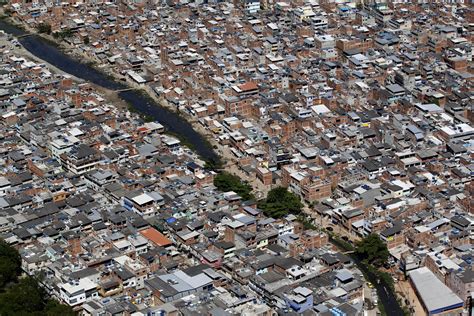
{"x": 384, "y": 292}
{"x": 173, "y": 123}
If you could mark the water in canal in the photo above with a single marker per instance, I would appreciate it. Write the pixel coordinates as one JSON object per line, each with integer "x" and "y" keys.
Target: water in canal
{"x": 142, "y": 103}
{"x": 384, "y": 292}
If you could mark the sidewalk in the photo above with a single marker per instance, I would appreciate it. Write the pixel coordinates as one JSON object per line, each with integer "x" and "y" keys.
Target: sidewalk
{"x": 406, "y": 292}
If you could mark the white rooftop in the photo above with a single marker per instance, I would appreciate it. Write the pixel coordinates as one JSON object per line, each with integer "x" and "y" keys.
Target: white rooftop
{"x": 142, "y": 199}
{"x": 434, "y": 294}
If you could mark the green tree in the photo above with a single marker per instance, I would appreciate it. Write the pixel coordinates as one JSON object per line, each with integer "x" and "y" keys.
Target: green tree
{"x": 280, "y": 202}
{"x": 44, "y": 28}
{"x": 86, "y": 40}
{"x": 10, "y": 264}
{"x": 373, "y": 249}
{"x": 213, "y": 164}
{"x": 226, "y": 182}
{"x": 148, "y": 118}
{"x": 63, "y": 34}
{"x": 53, "y": 308}
{"x": 307, "y": 223}
{"x": 22, "y": 298}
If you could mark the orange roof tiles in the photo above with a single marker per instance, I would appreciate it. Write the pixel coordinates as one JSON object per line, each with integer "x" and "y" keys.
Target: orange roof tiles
{"x": 248, "y": 86}
{"x": 156, "y": 237}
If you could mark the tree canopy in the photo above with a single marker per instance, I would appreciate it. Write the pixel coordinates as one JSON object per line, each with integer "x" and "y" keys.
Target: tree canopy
{"x": 280, "y": 202}
{"x": 23, "y": 295}
{"x": 226, "y": 182}
{"x": 10, "y": 264}
{"x": 63, "y": 34}
{"x": 44, "y": 28}
{"x": 373, "y": 249}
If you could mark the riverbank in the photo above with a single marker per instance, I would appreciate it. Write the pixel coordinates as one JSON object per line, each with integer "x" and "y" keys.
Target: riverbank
{"x": 109, "y": 94}
{"x": 112, "y": 75}
{"x": 51, "y": 54}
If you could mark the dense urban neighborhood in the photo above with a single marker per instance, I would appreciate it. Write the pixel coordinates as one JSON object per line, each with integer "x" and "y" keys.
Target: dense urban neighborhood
{"x": 245, "y": 157}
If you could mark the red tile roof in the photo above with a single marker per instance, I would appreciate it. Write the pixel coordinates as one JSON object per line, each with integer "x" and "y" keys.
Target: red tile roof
{"x": 156, "y": 237}
{"x": 248, "y": 86}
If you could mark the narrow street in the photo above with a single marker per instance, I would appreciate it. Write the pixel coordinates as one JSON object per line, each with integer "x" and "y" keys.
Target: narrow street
{"x": 370, "y": 301}
{"x": 404, "y": 289}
